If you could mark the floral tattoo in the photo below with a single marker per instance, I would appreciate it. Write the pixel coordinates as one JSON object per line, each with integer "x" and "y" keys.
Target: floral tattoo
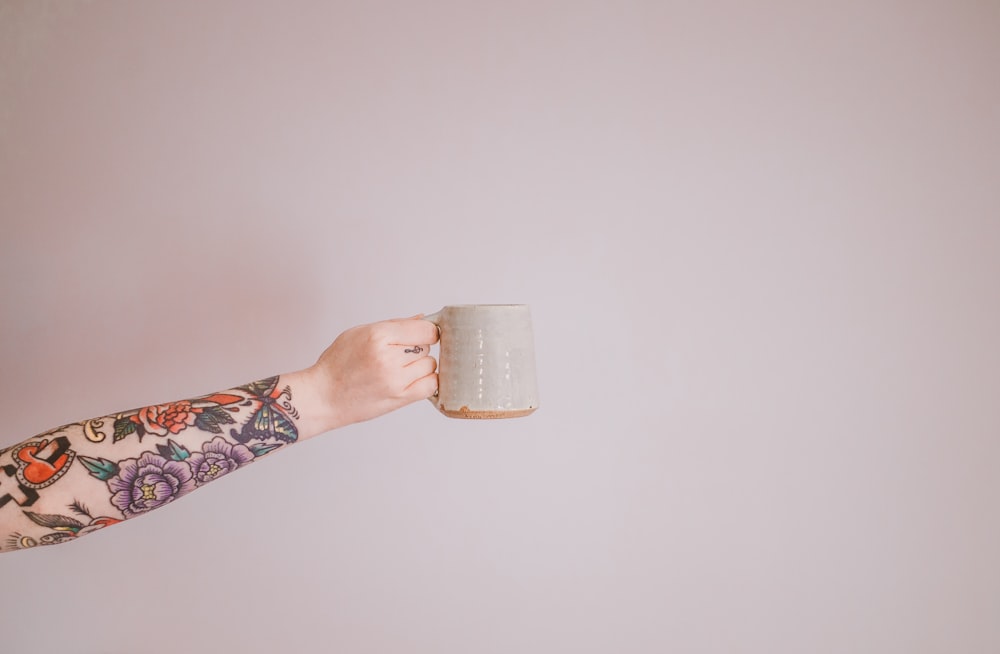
{"x": 259, "y": 418}
{"x": 154, "y": 479}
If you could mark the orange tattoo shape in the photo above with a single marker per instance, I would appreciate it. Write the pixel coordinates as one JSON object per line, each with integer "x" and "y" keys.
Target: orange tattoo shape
{"x": 41, "y": 463}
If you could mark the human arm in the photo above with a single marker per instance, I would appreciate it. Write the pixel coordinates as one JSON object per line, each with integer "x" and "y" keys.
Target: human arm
{"x": 75, "y": 479}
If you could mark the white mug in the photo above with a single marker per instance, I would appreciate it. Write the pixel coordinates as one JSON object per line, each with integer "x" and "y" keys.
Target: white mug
{"x": 486, "y": 366}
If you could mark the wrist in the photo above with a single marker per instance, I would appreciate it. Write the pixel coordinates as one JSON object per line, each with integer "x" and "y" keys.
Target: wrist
{"x": 310, "y": 391}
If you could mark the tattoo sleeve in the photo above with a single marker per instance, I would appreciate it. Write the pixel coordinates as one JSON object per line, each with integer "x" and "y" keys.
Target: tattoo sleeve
{"x": 84, "y": 476}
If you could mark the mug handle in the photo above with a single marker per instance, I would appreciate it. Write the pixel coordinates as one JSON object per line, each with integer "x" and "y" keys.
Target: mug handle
{"x": 436, "y": 319}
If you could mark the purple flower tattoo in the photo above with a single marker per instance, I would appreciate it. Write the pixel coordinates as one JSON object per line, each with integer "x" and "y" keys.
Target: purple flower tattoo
{"x": 218, "y": 457}
{"x": 148, "y": 482}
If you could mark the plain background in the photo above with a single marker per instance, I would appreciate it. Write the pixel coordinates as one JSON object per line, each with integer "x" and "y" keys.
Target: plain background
{"x": 761, "y": 242}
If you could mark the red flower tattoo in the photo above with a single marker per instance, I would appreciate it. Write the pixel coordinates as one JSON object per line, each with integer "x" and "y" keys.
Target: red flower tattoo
{"x": 163, "y": 419}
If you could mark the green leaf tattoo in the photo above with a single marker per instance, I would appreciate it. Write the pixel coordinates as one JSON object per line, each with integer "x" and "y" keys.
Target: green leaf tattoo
{"x": 100, "y": 468}
{"x": 123, "y": 427}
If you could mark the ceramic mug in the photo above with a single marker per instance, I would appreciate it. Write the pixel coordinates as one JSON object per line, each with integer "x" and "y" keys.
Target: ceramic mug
{"x": 486, "y": 364}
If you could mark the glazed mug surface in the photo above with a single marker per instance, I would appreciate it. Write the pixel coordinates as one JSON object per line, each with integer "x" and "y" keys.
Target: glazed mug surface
{"x": 486, "y": 365}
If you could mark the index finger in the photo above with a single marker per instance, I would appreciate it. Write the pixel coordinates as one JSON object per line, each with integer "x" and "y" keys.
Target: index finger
{"x": 412, "y": 331}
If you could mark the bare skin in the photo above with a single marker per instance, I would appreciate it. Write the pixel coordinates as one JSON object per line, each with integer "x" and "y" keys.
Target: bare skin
{"x": 81, "y": 477}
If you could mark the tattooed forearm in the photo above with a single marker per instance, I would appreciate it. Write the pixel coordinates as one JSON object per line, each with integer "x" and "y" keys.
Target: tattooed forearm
{"x": 130, "y": 463}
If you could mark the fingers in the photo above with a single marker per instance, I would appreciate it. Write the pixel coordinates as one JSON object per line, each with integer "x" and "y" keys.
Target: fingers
{"x": 411, "y": 338}
{"x": 424, "y": 387}
{"x": 422, "y": 378}
{"x": 408, "y": 354}
{"x": 409, "y": 332}
{"x": 421, "y": 367}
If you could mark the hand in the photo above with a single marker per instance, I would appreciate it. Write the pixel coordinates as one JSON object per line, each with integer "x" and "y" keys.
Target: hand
{"x": 373, "y": 369}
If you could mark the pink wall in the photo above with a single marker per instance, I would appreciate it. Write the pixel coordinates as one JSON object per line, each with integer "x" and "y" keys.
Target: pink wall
{"x": 762, "y": 246}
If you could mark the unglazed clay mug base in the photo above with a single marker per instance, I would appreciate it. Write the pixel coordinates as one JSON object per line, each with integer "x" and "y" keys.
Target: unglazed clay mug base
{"x": 486, "y": 366}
